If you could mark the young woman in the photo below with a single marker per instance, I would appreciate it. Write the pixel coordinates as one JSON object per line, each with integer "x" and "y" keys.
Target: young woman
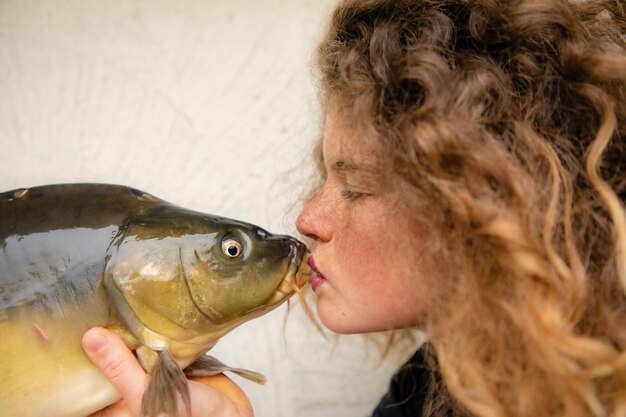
{"x": 474, "y": 168}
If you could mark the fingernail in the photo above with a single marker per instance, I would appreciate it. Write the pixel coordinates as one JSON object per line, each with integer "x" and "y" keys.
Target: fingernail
{"x": 95, "y": 340}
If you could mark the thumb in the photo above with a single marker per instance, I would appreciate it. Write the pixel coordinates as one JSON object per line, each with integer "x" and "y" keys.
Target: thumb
{"x": 109, "y": 353}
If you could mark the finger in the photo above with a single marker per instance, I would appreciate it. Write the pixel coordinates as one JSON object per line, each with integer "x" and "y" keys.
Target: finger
{"x": 119, "y": 409}
{"x": 225, "y": 386}
{"x": 109, "y": 353}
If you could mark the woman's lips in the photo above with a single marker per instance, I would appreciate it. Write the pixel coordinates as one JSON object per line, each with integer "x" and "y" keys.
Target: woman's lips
{"x": 317, "y": 280}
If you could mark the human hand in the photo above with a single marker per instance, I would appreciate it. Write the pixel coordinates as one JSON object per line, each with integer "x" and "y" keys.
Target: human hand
{"x": 215, "y": 396}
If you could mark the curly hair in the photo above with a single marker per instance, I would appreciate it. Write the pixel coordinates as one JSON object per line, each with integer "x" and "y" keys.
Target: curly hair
{"x": 509, "y": 118}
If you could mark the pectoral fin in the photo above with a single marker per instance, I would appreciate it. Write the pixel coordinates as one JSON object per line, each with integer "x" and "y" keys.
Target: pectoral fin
{"x": 167, "y": 393}
{"x": 207, "y": 365}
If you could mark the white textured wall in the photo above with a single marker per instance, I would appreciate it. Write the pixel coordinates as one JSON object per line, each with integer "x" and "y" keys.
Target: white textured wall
{"x": 208, "y": 104}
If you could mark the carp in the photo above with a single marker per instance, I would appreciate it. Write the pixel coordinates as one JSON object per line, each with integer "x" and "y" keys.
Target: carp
{"x": 168, "y": 280}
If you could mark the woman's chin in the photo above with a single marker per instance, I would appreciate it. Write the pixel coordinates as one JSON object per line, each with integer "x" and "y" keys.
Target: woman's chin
{"x": 336, "y": 319}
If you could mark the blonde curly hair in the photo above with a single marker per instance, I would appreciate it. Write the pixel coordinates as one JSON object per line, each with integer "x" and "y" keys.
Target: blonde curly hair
{"x": 509, "y": 118}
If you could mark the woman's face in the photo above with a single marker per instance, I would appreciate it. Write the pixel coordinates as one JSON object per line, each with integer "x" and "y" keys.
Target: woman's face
{"x": 369, "y": 249}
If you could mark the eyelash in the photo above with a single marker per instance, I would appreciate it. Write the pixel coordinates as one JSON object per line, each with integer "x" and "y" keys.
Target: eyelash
{"x": 351, "y": 195}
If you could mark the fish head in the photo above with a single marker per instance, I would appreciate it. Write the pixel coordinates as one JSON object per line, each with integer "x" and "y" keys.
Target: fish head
{"x": 192, "y": 277}
{"x": 239, "y": 270}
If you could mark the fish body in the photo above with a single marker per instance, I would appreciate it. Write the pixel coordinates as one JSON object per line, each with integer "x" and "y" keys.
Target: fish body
{"x": 168, "y": 280}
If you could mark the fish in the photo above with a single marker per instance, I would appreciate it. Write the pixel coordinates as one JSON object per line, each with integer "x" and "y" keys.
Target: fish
{"x": 168, "y": 280}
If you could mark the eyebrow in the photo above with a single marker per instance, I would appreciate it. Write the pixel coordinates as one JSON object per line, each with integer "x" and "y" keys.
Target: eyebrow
{"x": 343, "y": 166}
{"x": 348, "y": 166}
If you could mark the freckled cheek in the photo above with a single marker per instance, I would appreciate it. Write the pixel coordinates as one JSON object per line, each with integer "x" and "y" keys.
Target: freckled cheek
{"x": 362, "y": 257}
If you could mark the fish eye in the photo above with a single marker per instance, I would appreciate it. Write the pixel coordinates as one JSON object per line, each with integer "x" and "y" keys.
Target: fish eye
{"x": 232, "y": 248}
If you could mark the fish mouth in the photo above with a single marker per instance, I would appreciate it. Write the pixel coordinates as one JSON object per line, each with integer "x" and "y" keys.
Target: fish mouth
{"x": 297, "y": 275}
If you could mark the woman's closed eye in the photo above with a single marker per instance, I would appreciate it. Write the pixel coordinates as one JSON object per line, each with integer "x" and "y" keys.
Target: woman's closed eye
{"x": 353, "y": 193}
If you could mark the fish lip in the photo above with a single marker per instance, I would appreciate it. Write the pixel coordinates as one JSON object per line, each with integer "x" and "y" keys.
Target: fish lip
{"x": 298, "y": 272}
{"x": 297, "y": 275}
{"x": 303, "y": 273}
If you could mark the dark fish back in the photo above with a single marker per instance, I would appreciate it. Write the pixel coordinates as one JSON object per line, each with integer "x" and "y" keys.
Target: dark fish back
{"x": 63, "y": 206}
{"x": 53, "y": 239}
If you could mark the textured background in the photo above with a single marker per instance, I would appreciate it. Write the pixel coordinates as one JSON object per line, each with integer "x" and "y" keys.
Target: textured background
{"x": 208, "y": 104}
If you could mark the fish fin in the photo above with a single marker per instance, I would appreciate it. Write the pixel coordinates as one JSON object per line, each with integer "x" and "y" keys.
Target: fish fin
{"x": 147, "y": 357}
{"x": 167, "y": 393}
{"x": 207, "y": 365}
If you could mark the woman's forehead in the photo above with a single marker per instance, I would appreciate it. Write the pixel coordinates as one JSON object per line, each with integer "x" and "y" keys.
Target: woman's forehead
{"x": 345, "y": 149}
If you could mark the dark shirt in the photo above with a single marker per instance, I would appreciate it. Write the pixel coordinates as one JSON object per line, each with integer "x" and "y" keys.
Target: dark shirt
{"x": 407, "y": 391}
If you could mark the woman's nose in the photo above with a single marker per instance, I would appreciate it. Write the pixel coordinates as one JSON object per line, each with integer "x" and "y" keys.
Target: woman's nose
{"x": 312, "y": 221}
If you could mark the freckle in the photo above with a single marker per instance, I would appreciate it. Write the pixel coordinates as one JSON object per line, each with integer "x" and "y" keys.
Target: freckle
{"x": 42, "y": 337}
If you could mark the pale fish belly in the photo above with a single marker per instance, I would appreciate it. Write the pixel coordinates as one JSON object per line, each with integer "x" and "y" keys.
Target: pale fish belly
{"x": 77, "y": 395}
{"x": 43, "y": 369}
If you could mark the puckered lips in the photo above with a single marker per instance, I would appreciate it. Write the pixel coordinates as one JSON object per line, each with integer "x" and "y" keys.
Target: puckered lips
{"x": 317, "y": 280}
